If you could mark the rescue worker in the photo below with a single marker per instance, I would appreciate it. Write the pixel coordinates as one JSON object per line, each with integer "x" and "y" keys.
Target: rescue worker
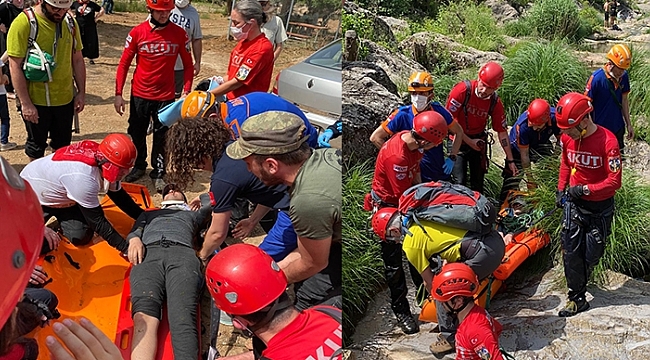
{"x": 279, "y": 330}
{"x": 67, "y": 183}
{"x": 397, "y": 169}
{"x": 530, "y": 139}
{"x": 428, "y": 245}
{"x": 590, "y": 174}
{"x": 470, "y": 103}
{"x": 434, "y": 166}
{"x": 478, "y": 333}
{"x": 608, "y": 89}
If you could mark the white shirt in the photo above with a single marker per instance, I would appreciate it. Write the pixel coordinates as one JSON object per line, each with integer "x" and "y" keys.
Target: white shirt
{"x": 188, "y": 19}
{"x": 65, "y": 183}
{"x": 274, "y": 31}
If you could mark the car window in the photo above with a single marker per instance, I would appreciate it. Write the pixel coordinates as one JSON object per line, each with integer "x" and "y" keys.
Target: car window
{"x": 329, "y": 56}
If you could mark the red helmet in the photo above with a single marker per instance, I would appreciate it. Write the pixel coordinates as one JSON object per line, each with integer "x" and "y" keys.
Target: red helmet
{"x": 243, "y": 279}
{"x": 22, "y": 231}
{"x": 381, "y": 219}
{"x": 120, "y": 153}
{"x": 491, "y": 74}
{"x": 571, "y": 108}
{"x": 162, "y": 5}
{"x": 431, "y": 126}
{"x": 455, "y": 279}
{"x": 538, "y": 112}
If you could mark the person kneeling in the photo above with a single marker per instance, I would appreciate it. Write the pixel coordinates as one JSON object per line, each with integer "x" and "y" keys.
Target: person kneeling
{"x": 170, "y": 268}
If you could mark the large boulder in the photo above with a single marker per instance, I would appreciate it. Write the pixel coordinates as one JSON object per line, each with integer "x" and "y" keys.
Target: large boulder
{"x": 397, "y": 66}
{"x": 396, "y": 25}
{"x": 368, "y": 96}
{"x": 380, "y": 29}
{"x": 502, "y": 11}
{"x": 429, "y": 48}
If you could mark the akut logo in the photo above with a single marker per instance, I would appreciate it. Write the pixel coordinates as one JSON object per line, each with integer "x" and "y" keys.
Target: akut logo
{"x": 160, "y": 47}
{"x": 584, "y": 159}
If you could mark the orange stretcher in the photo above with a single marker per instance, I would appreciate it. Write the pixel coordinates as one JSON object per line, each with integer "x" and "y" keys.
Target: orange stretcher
{"x": 92, "y": 281}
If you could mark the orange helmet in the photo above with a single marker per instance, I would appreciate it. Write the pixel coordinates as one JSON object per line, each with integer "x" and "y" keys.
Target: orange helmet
{"x": 539, "y": 111}
{"x": 491, "y": 74}
{"x": 620, "y": 55}
{"x": 243, "y": 279}
{"x": 198, "y": 103}
{"x": 161, "y": 5}
{"x": 381, "y": 219}
{"x": 430, "y": 126}
{"x": 22, "y": 231}
{"x": 120, "y": 153}
{"x": 571, "y": 109}
{"x": 420, "y": 81}
{"x": 455, "y": 279}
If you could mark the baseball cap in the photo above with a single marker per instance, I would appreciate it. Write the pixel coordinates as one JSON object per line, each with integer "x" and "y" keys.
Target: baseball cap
{"x": 269, "y": 133}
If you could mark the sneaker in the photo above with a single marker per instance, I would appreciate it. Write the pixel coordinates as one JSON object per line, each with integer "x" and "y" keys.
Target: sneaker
{"x": 573, "y": 307}
{"x": 407, "y": 323}
{"x": 7, "y": 146}
{"x": 134, "y": 175}
{"x": 159, "y": 184}
{"x": 441, "y": 347}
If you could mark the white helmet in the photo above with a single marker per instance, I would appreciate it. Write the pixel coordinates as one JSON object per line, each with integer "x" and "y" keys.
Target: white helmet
{"x": 62, "y": 4}
{"x": 182, "y": 3}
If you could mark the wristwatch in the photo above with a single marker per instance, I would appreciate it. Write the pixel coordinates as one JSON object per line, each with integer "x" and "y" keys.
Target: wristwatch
{"x": 585, "y": 190}
{"x": 452, "y": 157}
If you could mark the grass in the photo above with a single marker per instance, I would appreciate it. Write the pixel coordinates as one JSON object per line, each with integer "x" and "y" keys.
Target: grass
{"x": 561, "y": 20}
{"x": 131, "y": 6}
{"x": 362, "y": 265}
{"x": 540, "y": 70}
{"x": 639, "y": 98}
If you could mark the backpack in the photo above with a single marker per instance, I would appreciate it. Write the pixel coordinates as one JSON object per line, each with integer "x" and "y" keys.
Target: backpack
{"x": 448, "y": 204}
{"x": 468, "y": 93}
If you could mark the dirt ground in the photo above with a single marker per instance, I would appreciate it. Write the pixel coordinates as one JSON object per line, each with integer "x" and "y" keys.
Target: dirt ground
{"x": 99, "y": 117}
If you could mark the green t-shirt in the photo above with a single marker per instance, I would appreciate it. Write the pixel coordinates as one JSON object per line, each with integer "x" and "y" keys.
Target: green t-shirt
{"x": 420, "y": 246}
{"x": 61, "y": 87}
{"x": 315, "y": 208}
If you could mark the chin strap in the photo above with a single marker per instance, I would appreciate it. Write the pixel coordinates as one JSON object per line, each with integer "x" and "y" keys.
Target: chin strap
{"x": 455, "y": 312}
{"x": 155, "y": 23}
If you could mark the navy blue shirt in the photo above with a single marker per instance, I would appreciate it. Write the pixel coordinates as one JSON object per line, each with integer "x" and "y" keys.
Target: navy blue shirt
{"x": 402, "y": 119}
{"x": 607, "y": 99}
{"x": 231, "y": 180}
{"x": 523, "y": 136}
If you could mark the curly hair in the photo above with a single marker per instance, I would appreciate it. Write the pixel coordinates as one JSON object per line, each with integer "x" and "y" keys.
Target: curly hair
{"x": 189, "y": 142}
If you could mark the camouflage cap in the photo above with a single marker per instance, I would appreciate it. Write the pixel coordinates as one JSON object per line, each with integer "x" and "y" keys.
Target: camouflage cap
{"x": 269, "y": 133}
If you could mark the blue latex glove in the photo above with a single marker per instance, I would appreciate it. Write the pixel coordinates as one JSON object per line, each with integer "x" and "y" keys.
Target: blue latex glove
{"x": 324, "y": 138}
{"x": 339, "y": 126}
{"x": 448, "y": 166}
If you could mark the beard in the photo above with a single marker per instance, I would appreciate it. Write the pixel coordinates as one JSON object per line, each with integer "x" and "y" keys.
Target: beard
{"x": 269, "y": 179}
{"x": 53, "y": 17}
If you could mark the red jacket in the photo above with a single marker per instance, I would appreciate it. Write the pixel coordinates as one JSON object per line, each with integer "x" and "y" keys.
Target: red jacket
{"x": 251, "y": 63}
{"x": 477, "y": 110}
{"x": 478, "y": 336}
{"x": 597, "y": 163}
{"x": 395, "y": 169}
{"x": 157, "y": 50}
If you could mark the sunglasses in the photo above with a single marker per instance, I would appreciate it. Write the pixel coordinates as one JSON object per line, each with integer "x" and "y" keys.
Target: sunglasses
{"x": 419, "y": 139}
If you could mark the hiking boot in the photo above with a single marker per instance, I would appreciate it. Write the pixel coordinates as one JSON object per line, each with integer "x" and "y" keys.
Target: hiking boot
{"x": 407, "y": 323}
{"x": 441, "y": 347}
{"x": 573, "y": 307}
{"x": 134, "y": 175}
{"x": 8, "y": 146}
{"x": 159, "y": 184}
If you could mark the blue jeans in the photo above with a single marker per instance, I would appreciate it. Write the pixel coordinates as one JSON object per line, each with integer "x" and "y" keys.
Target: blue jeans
{"x": 281, "y": 239}
{"x": 4, "y": 119}
{"x": 108, "y": 6}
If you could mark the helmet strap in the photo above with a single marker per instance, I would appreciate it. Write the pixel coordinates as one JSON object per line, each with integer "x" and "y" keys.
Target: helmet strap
{"x": 454, "y": 312}
{"x": 155, "y": 22}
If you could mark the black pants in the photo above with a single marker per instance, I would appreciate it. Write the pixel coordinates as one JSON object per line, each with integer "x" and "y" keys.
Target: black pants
{"x": 476, "y": 161}
{"x": 73, "y": 224}
{"x": 391, "y": 254}
{"x": 53, "y": 121}
{"x": 585, "y": 227}
{"x": 141, "y": 111}
{"x": 325, "y": 286}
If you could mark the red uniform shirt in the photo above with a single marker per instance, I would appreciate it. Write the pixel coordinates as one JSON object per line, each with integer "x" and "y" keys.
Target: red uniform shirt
{"x": 395, "y": 169}
{"x": 597, "y": 163}
{"x": 153, "y": 78}
{"x": 477, "y": 110}
{"x": 477, "y": 337}
{"x": 312, "y": 335}
{"x": 251, "y": 63}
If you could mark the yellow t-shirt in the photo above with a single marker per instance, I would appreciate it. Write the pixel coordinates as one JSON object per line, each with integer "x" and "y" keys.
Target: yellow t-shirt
{"x": 420, "y": 245}
{"x": 61, "y": 87}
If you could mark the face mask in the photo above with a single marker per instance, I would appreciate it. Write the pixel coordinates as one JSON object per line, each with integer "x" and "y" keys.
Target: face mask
{"x": 238, "y": 33}
{"x": 182, "y": 3}
{"x": 419, "y": 101}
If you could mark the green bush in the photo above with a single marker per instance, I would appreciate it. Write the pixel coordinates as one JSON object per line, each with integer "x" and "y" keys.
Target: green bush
{"x": 519, "y": 28}
{"x": 639, "y": 73}
{"x": 556, "y": 19}
{"x": 470, "y": 24}
{"x": 591, "y": 19}
{"x": 131, "y": 6}
{"x": 443, "y": 83}
{"x": 540, "y": 70}
{"x": 628, "y": 245}
{"x": 362, "y": 264}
